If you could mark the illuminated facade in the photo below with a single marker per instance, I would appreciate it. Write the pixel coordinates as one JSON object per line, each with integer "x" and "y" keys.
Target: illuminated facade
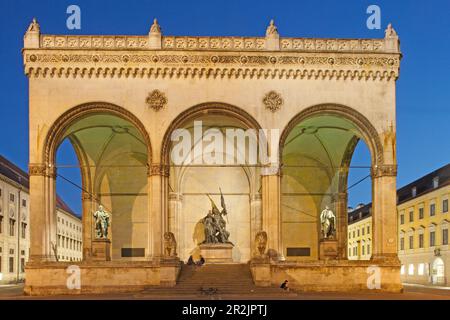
{"x": 14, "y": 224}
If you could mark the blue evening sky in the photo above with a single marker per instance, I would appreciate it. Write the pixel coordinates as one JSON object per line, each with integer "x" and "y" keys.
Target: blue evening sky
{"x": 423, "y": 90}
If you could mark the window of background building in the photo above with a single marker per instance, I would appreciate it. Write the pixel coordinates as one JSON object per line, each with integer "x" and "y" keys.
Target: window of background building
{"x": 11, "y": 265}
{"x": 363, "y": 230}
{"x": 432, "y": 209}
{"x": 22, "y": 265}
{"x": 435, "y": 182}
{"x": 445, "y": 236}
{"x": 411, "y": 242}
{"x": 354, "y": 234}
{"x": 368, "y": 229}
{"x": 1, "y": 224}
{"x": 402, "y": 269}
{"x": 411, "y": 216}
{"x": 363, "y": 249}
{"x": 421, "y": 269}
{"x": 23, "y": 229}
{"x": 24, "y": 203}
{"x": 411, "y": 269}
{"x": 445, "y": 205}
{"x": 12, "y": 224}
{"x": 11, "y": 197}
{"x": 432, "y": 238}
{"x": 421, "y": 215}
{"x": 368, "y": 249}
{"x": 421, "y": 240}
{"x": 358, "y": 232}
{"x": 349, "y": 235}
{"x": 402, "y": 243}
{"x": 402, "y": 219}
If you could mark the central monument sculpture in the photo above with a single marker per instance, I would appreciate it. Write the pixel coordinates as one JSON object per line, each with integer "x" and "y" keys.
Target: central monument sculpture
{"x": 216, "y": 248}
{"x": 215, "y": 224}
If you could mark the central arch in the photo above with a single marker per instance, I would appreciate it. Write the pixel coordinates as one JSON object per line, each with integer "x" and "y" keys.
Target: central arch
{"x": 188, "y": 185}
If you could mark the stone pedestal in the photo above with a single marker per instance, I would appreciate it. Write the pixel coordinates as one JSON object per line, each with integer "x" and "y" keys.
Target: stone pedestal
{"x": 328, "y": 249}
{"x": 217, "y": 252}
{"x": 101, "y": 250}
{"x": 261, "y": 272}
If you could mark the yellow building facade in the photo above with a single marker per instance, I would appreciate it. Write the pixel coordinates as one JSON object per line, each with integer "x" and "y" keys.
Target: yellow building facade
{"x": 423, "y": 223}
{"x": 423, "y": 219}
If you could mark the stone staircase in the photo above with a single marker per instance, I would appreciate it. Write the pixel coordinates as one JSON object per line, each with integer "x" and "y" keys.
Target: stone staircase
{"x": 213, "y": 281}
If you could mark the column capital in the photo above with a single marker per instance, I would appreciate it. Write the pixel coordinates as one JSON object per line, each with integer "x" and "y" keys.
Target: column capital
{"x": 87, "y": 196}
{"x": 342, "y": 195}
{"x": 256, "y": 197}
{"x": 41, "y": 169}
{"x": 157, "y": 169}
{"x": 384, "y": 170}
{"x": 271, "y": 170}
{"x": 175, "y": 196}
{"x": 37, "y": 169}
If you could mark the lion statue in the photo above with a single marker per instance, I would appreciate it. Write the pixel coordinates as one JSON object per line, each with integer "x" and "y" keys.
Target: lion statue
{"x": 261, "y": 242}
{"x": 170, "y": 244}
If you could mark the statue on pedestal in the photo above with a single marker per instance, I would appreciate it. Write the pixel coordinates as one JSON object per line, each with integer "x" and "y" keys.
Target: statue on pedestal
{"x": 261, "y": 242}
{"x": 215, "y": 224}
{"x": 170, "y": 244}
{"x": 102, "y": 220}
{"x": 328, "y": 223}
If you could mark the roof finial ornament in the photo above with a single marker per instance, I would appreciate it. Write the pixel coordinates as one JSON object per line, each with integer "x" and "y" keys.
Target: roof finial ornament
{"x": 34, "y": 26}
{"x": 390, "y": 32}
{"x": 155, "y": 28}
{"x": 272, "y": 29}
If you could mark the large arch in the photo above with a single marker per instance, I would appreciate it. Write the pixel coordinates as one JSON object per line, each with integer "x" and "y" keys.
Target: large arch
{"x": 67, "y": 118}
{"x": 367, "y": 129}
{"x": 181, "y": 200}
{"x": 313, "y": 189}
{"x": 219, "y": 108}
{"x": 87, "y": 120}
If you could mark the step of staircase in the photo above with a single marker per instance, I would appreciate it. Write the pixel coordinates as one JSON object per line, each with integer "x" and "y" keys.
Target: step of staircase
{"x": 215, "y": 280}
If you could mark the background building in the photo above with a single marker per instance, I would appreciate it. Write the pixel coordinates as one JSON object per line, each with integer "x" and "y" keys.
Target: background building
{"x": 360, "y": 232}
{"x": 14, "y": 225}
{"x": 423, "y": 221}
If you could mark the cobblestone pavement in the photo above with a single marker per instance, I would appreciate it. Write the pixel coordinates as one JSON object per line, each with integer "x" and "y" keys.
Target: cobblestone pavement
{"x": 411, "y": 292}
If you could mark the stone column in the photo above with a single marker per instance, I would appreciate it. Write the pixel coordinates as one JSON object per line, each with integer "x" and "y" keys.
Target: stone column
{"x": 255, "y": 220}
{"x": 342, "y": 222}
{"x": 384, "y": 213}
{"x": 87, "y": 207}
{"x": 42, "y": 212}
{"x": 176, "y": 221}
{"x": 271, "y": 222}
{"x": 157, "y": 222}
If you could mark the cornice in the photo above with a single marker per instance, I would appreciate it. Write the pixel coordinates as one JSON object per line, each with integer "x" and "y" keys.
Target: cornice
{"x": 266, "y": 65}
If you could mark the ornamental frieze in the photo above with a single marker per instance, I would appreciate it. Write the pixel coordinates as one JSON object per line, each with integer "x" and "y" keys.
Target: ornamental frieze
{"x": 211, "y": 43}
{"x": 212, "y": 65}
{"x": 363, "y": 61}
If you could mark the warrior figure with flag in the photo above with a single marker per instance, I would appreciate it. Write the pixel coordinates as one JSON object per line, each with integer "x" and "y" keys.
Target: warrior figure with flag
{"x": 215, "y": 224}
